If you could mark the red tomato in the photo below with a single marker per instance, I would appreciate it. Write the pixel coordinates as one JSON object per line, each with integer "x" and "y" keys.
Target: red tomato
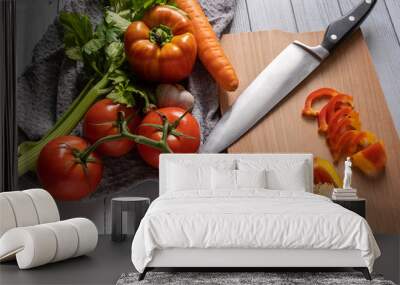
{"x": 62, "y": 174}
{"x": 100, "y": 121}
{"x": 178, "y": 144}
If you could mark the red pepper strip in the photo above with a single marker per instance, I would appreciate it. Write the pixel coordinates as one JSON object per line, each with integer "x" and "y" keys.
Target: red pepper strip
{"x": 368, "y": 139}
{"x": 351, "y": 142}
{"x": 371, "y": 160}
{"x": 344, "y": 143}
{"x": 313, "y": 97}
{"x": 345, "y": 119}
{"x": 327, "y": 112}
{"x": 340, "y": 114}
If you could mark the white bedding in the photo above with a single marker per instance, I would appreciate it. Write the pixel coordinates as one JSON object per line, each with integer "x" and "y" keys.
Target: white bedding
{"x": 250, "y": 218}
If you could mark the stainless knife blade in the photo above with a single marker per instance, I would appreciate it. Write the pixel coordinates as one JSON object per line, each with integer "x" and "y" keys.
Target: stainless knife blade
{"x": 278, "y": 79}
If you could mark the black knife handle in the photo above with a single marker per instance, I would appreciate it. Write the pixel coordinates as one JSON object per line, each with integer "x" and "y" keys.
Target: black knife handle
{"x": 345, "y": 25}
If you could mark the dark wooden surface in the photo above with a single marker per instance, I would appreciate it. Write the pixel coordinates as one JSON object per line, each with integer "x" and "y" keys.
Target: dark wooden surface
{"x": 137, "y": 205}
{"x": 357, "y": 206}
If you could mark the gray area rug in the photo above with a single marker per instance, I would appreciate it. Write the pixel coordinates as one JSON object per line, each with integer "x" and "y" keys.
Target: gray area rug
{"x": 48, "y": 86}
{"x": 270, "y": 278}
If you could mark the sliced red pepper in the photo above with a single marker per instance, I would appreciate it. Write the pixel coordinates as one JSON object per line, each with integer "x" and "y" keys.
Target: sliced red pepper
{"x": 339, "y": 115}
{"x": 345, "y": 119}
{"x": 371, "y": 160}
{"x": 328, "y": 111}
{"x": 351, "y": 142}
{"x": 344, "y": 143}
{"x": 322, "y": 93}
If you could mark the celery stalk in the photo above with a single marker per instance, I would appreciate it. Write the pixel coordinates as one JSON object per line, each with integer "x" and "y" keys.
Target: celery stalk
{"x": 64, "y": 126}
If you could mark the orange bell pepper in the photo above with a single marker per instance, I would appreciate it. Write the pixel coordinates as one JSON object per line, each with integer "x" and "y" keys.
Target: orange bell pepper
{"x": 314, "y": 96}
{"x": 162, "y": 46}
{"x": 328, "y": 111}
{"x": 324, "y": 172}
{"x": 371, "y": 160}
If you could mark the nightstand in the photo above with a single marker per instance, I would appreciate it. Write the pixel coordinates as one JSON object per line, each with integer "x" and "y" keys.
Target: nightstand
{"x": 356, "y": 205}
{"x": 137, "y": 205}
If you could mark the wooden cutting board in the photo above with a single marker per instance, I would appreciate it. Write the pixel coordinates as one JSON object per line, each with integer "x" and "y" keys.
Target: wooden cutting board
{"x": 350, "y": 70}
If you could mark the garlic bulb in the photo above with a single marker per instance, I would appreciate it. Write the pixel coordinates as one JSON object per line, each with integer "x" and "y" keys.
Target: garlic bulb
{"x": 174, "y": 95}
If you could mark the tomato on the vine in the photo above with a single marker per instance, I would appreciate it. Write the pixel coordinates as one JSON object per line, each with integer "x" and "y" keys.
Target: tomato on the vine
{"x": 184, "y": 139}
{"x": 63, "y": 173}
{"x": 101, "y": 121}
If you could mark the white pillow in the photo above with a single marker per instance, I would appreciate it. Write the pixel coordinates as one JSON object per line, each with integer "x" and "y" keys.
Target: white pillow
{"x": 251, "y": 178}
{"x": 181, "y": 178}
{"x": 292, "y": 179}
{"x": 223, "y": 179}
{"x": 281, "y": 174}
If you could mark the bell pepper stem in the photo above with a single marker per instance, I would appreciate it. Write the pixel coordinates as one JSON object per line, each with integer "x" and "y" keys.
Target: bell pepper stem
{"x": 160, "y": 35}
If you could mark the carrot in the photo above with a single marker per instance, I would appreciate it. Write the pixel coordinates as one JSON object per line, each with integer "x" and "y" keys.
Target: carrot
{"x": 209, "y": 50}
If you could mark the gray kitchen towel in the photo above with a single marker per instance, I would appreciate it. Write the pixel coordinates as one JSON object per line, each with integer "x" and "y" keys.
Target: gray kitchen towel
{"x": 50, "y": 84}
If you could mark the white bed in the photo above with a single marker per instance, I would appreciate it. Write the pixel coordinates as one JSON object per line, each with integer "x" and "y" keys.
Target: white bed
{"x": 247, "y": 227}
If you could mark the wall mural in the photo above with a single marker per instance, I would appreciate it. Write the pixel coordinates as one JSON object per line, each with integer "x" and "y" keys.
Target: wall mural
{"x": 104, "y": 107}
{"x": 97, "y": 106}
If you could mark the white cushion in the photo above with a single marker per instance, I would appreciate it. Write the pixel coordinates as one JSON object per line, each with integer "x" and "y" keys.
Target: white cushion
{"x": 31, "y": 246}
{"x": 249, "y": 160}
{"x": 67, "y": 237}
{"x": 182, "y": 178}
{"x": 251, "y": 178}
{"x": 281, "y": 174}
{"x": 223, "y": 179}
{"x": 26, "y": 208}
{"x": 45, "y": 205}
{"x": 292, "y": 179}
{"x": 7, "y": 218}
{"x": 87, "y": 233}
{"x": 188, "y": 176}
{"x": 40, "y": 244}
{"x": 23, "y": 208}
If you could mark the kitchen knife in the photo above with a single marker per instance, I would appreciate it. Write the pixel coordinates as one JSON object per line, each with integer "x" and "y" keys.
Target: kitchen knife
{"x": 279, "y": 78}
